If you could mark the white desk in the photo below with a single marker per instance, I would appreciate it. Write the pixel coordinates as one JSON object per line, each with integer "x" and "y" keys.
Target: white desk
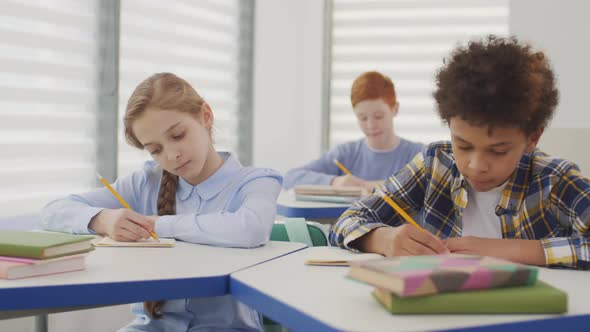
{"x": 125, "y": 275}
{"x": 288, "y": 207}
{"x": 320, "y": 298}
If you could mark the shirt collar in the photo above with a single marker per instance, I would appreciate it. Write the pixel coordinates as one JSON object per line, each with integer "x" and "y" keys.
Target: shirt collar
{"x": 366, "y": 141}
{"x": 512, "y": 195}
{"x": 459, "y": 189}
{"x": 215, "y": 183}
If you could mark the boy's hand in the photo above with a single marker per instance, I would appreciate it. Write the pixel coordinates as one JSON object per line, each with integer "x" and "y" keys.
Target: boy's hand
{"x": 347, "y": 181}
{"x": 122, "y": 225}
{"x": 370, "y": 185}
{"x": 516, "y": 250}
{"x": 472, "y": 245}
{"x": 405, "y": 240}
{"x": 353, "y": 181}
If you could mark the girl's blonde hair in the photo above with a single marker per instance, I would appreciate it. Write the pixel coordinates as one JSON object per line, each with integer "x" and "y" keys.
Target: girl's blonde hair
{"x": 164, "y": 91}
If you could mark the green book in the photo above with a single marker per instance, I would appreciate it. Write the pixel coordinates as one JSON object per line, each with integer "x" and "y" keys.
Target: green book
{"x": 42, "y": 245}
{"x": 540, "y": 298}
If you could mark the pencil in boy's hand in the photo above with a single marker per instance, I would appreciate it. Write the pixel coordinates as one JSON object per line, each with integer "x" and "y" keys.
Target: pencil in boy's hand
{"x": 344, "y": 169}
{"x": 121, "y": 200}
{"x": 397, "y": 208}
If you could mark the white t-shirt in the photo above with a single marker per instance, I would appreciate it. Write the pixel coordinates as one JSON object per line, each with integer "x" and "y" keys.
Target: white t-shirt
{"x": 479, "y": 217}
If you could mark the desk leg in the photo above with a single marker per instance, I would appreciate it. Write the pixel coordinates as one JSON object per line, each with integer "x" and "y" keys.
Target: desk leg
{"x": 40, "y": 323}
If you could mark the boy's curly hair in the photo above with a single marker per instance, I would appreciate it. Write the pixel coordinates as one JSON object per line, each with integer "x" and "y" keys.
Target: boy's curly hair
{"x": 497, "y": 82}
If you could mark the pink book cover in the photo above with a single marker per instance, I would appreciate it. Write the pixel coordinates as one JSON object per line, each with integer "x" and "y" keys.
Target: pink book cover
{"x": 18, "y": 260}
{"x": 17, "y": 268}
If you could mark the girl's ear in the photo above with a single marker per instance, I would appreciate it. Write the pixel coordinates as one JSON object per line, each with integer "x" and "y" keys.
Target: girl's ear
{"x": 206, "y": 116}
{"x": 533, "y": 139}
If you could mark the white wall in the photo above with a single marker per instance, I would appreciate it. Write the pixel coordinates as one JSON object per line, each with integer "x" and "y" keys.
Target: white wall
{"x": 287, "y": 82}
{"x": 560, "y": 29}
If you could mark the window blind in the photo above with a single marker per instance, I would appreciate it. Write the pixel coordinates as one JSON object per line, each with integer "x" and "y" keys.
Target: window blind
{"x": 407, "y": 41}
{"x": 47, "y": 101}
{"x": 196, "y": 40}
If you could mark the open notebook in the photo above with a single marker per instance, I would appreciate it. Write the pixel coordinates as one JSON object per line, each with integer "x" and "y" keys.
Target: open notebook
{"x": 327, "y": 193}
{"x": 108, "y": 242}
{"x": 327, "y": 190}
{"x": 326, "y": 199}
{"x": 334, "y": 256}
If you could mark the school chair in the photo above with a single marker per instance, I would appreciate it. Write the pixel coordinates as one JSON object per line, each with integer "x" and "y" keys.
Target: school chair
{"x": 296, "y": 230}
{"x": 312, "y": 233}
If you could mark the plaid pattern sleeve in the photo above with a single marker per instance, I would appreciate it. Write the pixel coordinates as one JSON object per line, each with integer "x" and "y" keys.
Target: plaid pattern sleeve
{"x": 406, "y": 188}
{"x": 570, "y": 201}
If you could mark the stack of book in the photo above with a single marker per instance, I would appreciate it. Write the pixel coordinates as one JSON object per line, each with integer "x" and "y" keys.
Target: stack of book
{"x": 27, "y": 254}
{"x": 326, "y": 193}
{"x": 457, "y": 284}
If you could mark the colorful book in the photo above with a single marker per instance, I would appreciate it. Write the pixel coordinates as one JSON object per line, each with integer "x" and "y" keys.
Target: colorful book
{"x": 17, "y": 268}
{"x": 327, "y": 190}
{"x": 42, "y": 245}
{"x": 409, "y": 276}
{"x": 539, "y": 298}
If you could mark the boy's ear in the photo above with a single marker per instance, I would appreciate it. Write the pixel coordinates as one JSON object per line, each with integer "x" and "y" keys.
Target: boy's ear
{"x": 206, "y": 116}
{"x": 533, "y": 139}
{"x": 395, "y": 109}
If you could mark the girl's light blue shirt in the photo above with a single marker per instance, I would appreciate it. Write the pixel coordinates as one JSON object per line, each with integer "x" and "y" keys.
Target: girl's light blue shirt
{"x": 359, "y": 159}
{"x": 235, "y": 207}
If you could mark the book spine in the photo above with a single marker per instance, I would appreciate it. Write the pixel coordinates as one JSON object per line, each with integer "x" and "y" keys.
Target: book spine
{"x": 542, "y": 302}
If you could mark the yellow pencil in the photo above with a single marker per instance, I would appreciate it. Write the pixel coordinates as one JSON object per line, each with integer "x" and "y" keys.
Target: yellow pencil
{"x": 344, "y": 169}
{"x": 399, "y": 209}
{"x": 121, "y": 200}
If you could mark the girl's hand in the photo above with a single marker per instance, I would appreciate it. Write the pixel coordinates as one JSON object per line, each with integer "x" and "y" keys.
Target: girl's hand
{"x": 122, "y": 225}
{"x": 404, "y": 240}
{"x": 152, "y": 220}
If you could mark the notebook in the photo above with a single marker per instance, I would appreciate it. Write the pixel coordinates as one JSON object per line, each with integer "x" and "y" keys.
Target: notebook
{"x": 42, "y": 245}
{"x": 409, "y": 276}
{"x": 539, "y": 298}
{"x": 327, "y": 199}
{"x": 17, "y": 268}
{"x": 108, "y": 242}
{"x": 334, "y": 256}
{"x": 327, "y": 190}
